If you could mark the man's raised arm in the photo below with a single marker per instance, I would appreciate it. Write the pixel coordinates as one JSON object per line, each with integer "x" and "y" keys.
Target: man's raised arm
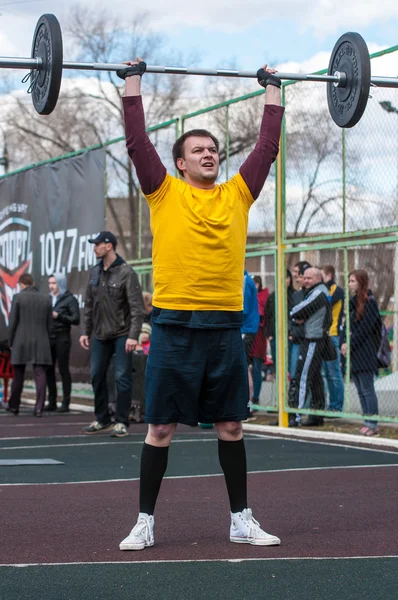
{"x": 150, "y": 169}
{"x": 257, "y": 165}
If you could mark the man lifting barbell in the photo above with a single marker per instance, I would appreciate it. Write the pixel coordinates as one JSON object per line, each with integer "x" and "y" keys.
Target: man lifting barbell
{"x": 197, "y": 370}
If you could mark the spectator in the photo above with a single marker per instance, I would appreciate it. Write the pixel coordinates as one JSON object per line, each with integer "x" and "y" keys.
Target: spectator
{"x": 65, "y": 313}
{"x": 365, "y": 331}
{"x": 332, "y": 368}
{"x": 144, "y": 340}
{"x": 29, "y": 339}
{"x": 147, "y": 296}
{"x": 259, "y": 348}
{"x": 113, "y": 315}
{"x": 270, "y": 323}
{"x": 297, "y": 331}
{"x": 270, "y": 317}
{"x": 251, "y": 321}
{"x": 137, "y": 410}
{"x": 314, "y": 312}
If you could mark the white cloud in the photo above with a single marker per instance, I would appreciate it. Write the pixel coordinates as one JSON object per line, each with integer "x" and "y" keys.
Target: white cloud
{"x": 320, "y": 19}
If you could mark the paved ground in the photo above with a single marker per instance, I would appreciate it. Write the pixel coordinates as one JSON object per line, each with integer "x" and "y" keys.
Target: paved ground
{"x": 333, "y": 506}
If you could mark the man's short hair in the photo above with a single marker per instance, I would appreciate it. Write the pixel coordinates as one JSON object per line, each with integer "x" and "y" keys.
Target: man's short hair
{"x": 26, "y": 279}
{"x": 329, "y": 270}
{"x": 317, "y": 273}
{"x": 302, "y": 265}
{"x": 178, "y": 148}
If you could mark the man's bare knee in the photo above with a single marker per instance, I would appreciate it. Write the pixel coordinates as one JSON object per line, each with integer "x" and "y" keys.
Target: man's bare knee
{"x": 229, "y": 431}
{"x": 160, "y": 435}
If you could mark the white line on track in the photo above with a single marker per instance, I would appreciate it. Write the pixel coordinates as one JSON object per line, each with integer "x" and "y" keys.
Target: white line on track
{"x": 41, "y": 424}
{"x": 200, "y": 560}
{"x": 108, "y": 443}
{"x": 247, "y": 437}
{"x": 131, "y": 434}
{"x": 269, "y": 471}
{"x": 111, "y": 443}
{"x": 322, "y": 443}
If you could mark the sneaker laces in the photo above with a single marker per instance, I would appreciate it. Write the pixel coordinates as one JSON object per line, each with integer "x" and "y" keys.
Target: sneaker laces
{"x": 253, "y": 525}
{"x": 142, "y": 527}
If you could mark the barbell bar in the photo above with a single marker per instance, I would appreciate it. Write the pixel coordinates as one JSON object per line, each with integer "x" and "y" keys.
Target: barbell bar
{"x": 348, "y": 79}
{"x": 37, "y": 64}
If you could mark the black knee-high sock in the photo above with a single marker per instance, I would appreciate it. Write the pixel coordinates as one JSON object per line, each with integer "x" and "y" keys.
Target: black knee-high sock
{"x": 153, "y": 468}
{"x": 232, "y": 456}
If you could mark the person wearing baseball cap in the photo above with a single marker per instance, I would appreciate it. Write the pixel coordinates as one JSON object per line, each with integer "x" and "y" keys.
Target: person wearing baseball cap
{"x": 113, "y": 316}
{"x": 105, "y": 237}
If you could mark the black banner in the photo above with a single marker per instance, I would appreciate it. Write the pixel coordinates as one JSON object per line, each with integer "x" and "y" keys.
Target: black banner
{"x": 47, "y": 215}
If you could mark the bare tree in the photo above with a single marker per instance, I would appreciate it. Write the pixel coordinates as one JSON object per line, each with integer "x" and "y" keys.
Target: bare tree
{"x": 379, "y": 265}
{"x": 89, "y": 111}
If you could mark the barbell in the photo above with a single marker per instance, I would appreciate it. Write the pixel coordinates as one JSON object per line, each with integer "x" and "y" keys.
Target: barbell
{"x": 348, "y": 80}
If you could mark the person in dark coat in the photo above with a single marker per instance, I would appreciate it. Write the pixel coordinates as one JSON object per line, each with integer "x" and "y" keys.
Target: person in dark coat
{"x": 65, "y": 312}
{"x": 29, "y": 340}
{"x": 113, "y": 316}
{"x": 365, "y": 331}
{"x": 296, "y": 332}
{"x": 270, "y": 317}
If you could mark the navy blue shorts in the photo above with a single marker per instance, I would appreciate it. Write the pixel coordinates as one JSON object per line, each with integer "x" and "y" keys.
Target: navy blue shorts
{"x": 196, "y": 376}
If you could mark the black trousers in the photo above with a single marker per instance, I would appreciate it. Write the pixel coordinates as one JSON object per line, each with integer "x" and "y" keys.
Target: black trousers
{"x": 60, "y": 353}
{"x": 308, "y": 376}
{"x": 39, "y": 372}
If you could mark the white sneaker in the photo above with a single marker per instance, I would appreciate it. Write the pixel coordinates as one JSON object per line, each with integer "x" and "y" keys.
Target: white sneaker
{"x": 141, "y": 536}
{"x": 246, "y": 530}
{"x": 119, "y": 430}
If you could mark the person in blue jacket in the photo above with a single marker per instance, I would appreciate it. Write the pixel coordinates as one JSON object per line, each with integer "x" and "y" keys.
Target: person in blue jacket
{"x": 251, "y": 321}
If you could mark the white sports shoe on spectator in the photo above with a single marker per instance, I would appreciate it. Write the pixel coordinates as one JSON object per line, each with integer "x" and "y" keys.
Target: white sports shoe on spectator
{"x": 141, "y": 536}
{"x": 246, "y": 530}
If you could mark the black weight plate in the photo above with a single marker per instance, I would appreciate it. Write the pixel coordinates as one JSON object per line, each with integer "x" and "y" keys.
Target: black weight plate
{"x": 47, "y": 45}
{"x": 351, "y": 56}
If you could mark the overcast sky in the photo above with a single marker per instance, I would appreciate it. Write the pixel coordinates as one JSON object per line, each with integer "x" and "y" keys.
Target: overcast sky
{"x": 247, "y": 32}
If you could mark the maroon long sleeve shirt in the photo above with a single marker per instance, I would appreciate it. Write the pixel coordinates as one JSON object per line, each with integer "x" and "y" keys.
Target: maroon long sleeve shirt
{"x": 151, "y": 171}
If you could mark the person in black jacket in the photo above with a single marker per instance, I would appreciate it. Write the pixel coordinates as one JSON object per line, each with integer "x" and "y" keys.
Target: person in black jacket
{"x": 270, "y": 317}
{"x": 113, "y": 316}
{"x": 296, "y": 331}
{"x": 365, "y": 332}
{"x": 65, "y": 313}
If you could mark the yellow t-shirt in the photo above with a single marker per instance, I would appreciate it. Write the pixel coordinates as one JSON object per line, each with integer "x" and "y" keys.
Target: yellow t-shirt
{"x": 199, "y": 240}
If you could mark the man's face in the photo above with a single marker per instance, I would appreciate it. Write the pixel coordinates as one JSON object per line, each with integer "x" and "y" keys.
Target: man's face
{"x": 53, "y": 286}
{"x": 102, "y": 249}
{"x": 201, "y": 160}
{"x": 310, "y": 278}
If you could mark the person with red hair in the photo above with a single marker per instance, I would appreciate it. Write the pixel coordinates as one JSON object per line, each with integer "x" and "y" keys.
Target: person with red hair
{"x": 365, "y": 331}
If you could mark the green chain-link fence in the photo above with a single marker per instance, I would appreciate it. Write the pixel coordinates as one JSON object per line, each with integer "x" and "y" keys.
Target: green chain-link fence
{"x": 331, "y": 199}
